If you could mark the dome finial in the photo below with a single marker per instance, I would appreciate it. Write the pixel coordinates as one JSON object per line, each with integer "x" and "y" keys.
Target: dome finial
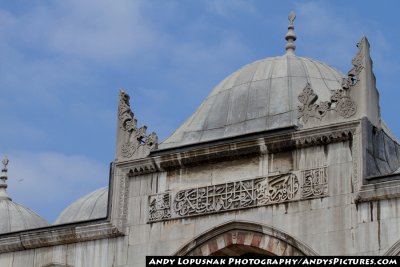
{"x": 3, "y": 180}
{"x": 290, "y": 36}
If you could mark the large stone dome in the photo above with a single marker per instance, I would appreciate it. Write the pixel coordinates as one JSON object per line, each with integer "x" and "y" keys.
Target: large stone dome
{"x": 91, "y": 206}
{"x": 258, "y": 97}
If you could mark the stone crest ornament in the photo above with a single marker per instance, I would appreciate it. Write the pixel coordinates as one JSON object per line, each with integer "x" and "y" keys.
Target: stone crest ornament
{"x": 309, "y": 108}
{"x": 340, "y": 102}
{"x": 345, "y": 106}
{"x": 357, "y": 65}
{"x": 133, "y": 142}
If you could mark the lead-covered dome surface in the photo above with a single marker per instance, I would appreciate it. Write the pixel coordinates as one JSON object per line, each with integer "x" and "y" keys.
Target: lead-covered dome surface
{"x": 91, "y": 206}
{"x": 258, "y": 97}
{"x": 14, "y": 217}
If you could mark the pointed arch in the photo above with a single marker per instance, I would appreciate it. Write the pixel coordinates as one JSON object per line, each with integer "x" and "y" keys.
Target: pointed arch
{"x": 245, "y": 237}
{"x": 394, "y": 250}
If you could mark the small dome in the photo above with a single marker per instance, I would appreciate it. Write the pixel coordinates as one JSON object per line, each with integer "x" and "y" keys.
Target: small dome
{"x": 15, "y": 217}
{"x": 91, "y": 206}
{"x": 258, "y": 97}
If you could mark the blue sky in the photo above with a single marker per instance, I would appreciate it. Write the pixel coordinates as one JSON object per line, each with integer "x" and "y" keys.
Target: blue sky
{"x": 62, "y": 63}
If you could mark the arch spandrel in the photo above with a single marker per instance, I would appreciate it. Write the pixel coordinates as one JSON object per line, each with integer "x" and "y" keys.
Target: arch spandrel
{"x": 394, "y": 250}
{"x": 236, "y": 238}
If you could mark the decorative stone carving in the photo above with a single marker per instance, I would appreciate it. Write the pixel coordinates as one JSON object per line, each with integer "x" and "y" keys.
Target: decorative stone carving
{"x": 159, "y": 207}
{"x": 309, "y": 108}
{"x": 123, "y": 201}
{"x": 315, "y": 183}
{"x": 133, "y": 142}
{"x": 357, "y": 65}
{"x": 281, "y": 188}
{"x": 142, "y": 169}
{"x": 345, "y": 106}
{"x": 238, "y": 195}
{"x": 340, "y": 99}
{"x": 325, "y": 138}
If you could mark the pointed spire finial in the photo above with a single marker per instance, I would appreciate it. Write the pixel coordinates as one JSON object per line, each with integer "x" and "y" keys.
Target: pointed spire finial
{"x": 290, "y": 36}
{"x": 3, "y": 180}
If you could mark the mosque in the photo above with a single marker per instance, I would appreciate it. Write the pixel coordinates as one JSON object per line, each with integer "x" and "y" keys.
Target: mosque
{"x": 286, "y": 156}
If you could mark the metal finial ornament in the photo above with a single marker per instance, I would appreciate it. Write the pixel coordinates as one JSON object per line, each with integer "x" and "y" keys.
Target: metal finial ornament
{"x": 3, "y": 179}
{"x": 5, "y": 162}
{"x": 292, "y": 17}
{"x": 290, "y": 36}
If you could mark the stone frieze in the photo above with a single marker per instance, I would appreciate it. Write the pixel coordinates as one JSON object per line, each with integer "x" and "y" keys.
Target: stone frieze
{"x": 236, "y": 195}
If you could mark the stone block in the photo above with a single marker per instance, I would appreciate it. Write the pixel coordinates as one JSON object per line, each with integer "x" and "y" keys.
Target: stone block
{"x": 366, "y": 237}
{"x": 364, "y": 212}
{"x": 134, "y": 186}
{"x": 120, "y": 250}
{"x": 137, "y": 254}
{"x": 6, "y": 260}
{"x": 140, "y": 233}
{"x": 333, "y": 201}
{"x": 339, "y": 153}
{"x": 340, "y": 179}
{"x": 288, "y": 223}
{"x": 341, "y": 242}
{"x": 43, "y": 256}
{"x": 280, "y": 162}
{"x": 312, "y": 222}
{"x": 205, "y": 223}
{"x": 317, "y": 242}
{"x": 339, "y": 218}
{"x": 311, "y": 157}
{"x": 176, "y": 229}
{"x": 134, "y": 210}
{"x": 389, "y": 233}
{"x": 58, "y": 254}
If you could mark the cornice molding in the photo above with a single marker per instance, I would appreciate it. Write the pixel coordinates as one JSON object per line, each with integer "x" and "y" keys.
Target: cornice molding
{"x": 57, "y": 235}
{"x": 260, "y": 144}
{"x": 112, "y": 226}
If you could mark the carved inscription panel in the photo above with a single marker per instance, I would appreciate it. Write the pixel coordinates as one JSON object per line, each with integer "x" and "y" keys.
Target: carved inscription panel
{"x": 239, "y": 194}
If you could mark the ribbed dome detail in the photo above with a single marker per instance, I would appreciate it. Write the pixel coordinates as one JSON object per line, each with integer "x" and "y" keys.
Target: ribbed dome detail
{"x": 14, "y": 217}
{"x": 91, "y": 206}
{"x": 258, "y": 97}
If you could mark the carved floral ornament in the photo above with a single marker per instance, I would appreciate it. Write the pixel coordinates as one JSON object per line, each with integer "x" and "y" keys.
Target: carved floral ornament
{"x": 340, "y": 102}
{"x": 135, "y": 137}
{"x": 230, "y": 196}
{"x": 340, "y": 99}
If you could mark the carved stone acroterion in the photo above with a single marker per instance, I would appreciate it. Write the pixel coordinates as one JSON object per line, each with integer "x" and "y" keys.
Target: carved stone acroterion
{"x": 132, "y": 142}
{"x": 340, "y": 102}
